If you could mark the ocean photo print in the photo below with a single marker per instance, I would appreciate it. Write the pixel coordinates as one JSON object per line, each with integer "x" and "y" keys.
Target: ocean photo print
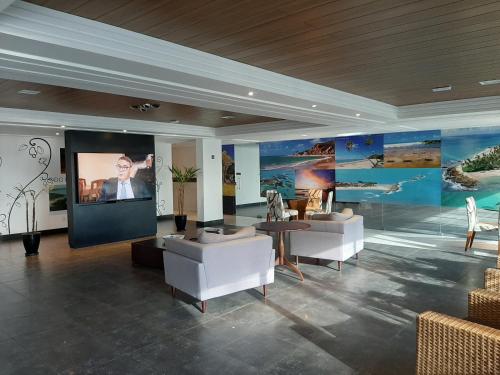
{"x": 471, "y": 167}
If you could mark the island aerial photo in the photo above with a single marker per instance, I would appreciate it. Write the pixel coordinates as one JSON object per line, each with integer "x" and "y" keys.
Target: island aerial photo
{"x": 471, "y": 167}
{"x": 419, "y": 186}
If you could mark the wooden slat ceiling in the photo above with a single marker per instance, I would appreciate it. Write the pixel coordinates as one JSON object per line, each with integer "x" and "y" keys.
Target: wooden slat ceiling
{"x": 390, "y": 50}
{"x": 83, "y": 102}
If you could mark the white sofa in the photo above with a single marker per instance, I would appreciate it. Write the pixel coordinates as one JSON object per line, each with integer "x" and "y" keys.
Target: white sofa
{"x": 333, "y": 240}
{"x": 210, "y": 270}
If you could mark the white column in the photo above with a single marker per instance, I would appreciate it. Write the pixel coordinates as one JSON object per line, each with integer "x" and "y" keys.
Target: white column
{"x": 164, "y": 190}
{"x": 209, "y": 181}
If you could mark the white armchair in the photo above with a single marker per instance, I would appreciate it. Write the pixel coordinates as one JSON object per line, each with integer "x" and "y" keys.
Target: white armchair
{"x": 333, "y": 240}
{"x": 206, "y": 271}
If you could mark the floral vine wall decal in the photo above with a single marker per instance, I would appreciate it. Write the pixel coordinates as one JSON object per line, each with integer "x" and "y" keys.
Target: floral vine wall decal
{"x": 161, "y": 205}
{"x": 35, "y": 149}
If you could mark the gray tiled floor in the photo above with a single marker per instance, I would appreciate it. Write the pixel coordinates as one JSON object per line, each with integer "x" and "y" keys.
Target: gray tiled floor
{"x": 90, "y": 311}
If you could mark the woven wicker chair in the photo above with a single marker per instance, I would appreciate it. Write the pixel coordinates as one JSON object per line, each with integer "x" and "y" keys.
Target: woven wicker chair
{"x": 492, "y": 279}
{"x": 448, "y": 345}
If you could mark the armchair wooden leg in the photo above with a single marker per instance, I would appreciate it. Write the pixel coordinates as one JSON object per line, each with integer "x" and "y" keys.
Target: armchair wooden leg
{"x": 340, "y": 265}
{"x": 297, "y": 261}
{"x": 467, "y": 242}
{"x": 203, "y": 306}
{"x": 472, "y": 239}
{"x": 264, "y": 290}
{"x": 172, "y": 290}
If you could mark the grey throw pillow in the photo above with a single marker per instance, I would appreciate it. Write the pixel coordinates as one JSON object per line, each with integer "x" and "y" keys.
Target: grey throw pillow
{"x": 346, "y": 214}
{"x": 206, "y": 237}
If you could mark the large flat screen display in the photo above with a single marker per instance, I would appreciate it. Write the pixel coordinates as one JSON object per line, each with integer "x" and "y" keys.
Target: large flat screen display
{"x": 106, "y": 177}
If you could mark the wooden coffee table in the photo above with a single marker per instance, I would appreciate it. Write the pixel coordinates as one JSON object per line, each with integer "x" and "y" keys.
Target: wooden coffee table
{"x": 281, "y": 227}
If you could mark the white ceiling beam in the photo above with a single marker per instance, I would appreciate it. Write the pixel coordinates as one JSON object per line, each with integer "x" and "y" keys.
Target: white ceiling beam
{"x": 19, "y": 118}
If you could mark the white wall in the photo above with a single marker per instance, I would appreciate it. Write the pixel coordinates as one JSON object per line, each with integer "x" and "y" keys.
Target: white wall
{"x": 247, "y": 163}
{"x": 184, "y": 156}
{"x": 21, "y": 163}
{"x": 209, "y": 184}
{"x": 164, "y": 194}
{"x": 18, "y": 167}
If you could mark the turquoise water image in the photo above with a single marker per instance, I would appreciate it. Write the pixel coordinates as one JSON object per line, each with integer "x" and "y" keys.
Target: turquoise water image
{"x": 417, "y": 186}
{"x": 459, "y": 145}
{"x": 487, "y": 196}
{"x": 281, "y": 180}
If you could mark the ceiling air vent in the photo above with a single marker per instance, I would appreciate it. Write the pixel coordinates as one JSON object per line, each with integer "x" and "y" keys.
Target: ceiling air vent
{"x": 144, "y": 107}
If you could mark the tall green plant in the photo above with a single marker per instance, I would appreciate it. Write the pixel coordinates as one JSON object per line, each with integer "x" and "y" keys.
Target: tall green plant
{"x": 182, "y": 176}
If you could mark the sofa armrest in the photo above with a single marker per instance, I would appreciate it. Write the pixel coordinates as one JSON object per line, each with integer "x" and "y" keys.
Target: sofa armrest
{"x": 332, "y": 226}
{"x": 492, "y": 279}
{"x": 448, "y": 345}
{"x": 484, "y": 307}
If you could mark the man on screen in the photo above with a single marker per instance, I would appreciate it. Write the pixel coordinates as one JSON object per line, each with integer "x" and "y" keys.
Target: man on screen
{"x": 124, "y": 186}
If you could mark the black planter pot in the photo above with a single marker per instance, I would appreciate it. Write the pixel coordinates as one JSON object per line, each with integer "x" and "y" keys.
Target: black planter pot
{"x": 180, "y": 222}
{"x": 31, "y": 241}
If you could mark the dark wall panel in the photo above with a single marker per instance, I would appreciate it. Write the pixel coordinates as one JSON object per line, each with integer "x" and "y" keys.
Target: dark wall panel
{"x": 92, "y": 224}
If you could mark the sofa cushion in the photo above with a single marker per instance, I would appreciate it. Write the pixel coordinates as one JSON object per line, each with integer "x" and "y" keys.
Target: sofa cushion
{"x": 206, "y": 237}
{"x": 346, "y": 214}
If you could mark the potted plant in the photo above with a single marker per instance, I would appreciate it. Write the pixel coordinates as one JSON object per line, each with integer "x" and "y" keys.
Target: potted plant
{"x": 31, "y": 239}
{"x": 182, "y": 177}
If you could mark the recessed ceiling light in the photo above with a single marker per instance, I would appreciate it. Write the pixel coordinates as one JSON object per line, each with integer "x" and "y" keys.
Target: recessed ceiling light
{"x": 442, "y": 88}
{"x": 304, "y": 135}
{"x": 490, "y": 82}
{"x": 28, "y": 92}
{"x": 358, "y": 114}
{"x": 57, "y": 133}
{"x": 314, "y": 105}
{"x": 124, "y": 130}
{"x": 250, "y": 93}
{"x": 228, "y": 117}
{"x": 62, "y": 126}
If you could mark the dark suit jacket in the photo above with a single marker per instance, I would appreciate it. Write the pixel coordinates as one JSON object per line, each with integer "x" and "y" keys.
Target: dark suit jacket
{"x": 109, "y": 189}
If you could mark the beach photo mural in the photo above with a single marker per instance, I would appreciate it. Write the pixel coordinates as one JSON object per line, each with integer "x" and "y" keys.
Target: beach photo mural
{"x": 359, "y": 152}
{"x": 471, "y": 167}
{"x": 413, "y": 149}
{"x": 282, "y": 162}
{"x": 413, "y": 186}
{"x": 398, "y": 168}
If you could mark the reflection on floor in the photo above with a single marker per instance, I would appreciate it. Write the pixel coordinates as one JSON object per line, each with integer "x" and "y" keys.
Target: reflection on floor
{"x": 90, "y": 311}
